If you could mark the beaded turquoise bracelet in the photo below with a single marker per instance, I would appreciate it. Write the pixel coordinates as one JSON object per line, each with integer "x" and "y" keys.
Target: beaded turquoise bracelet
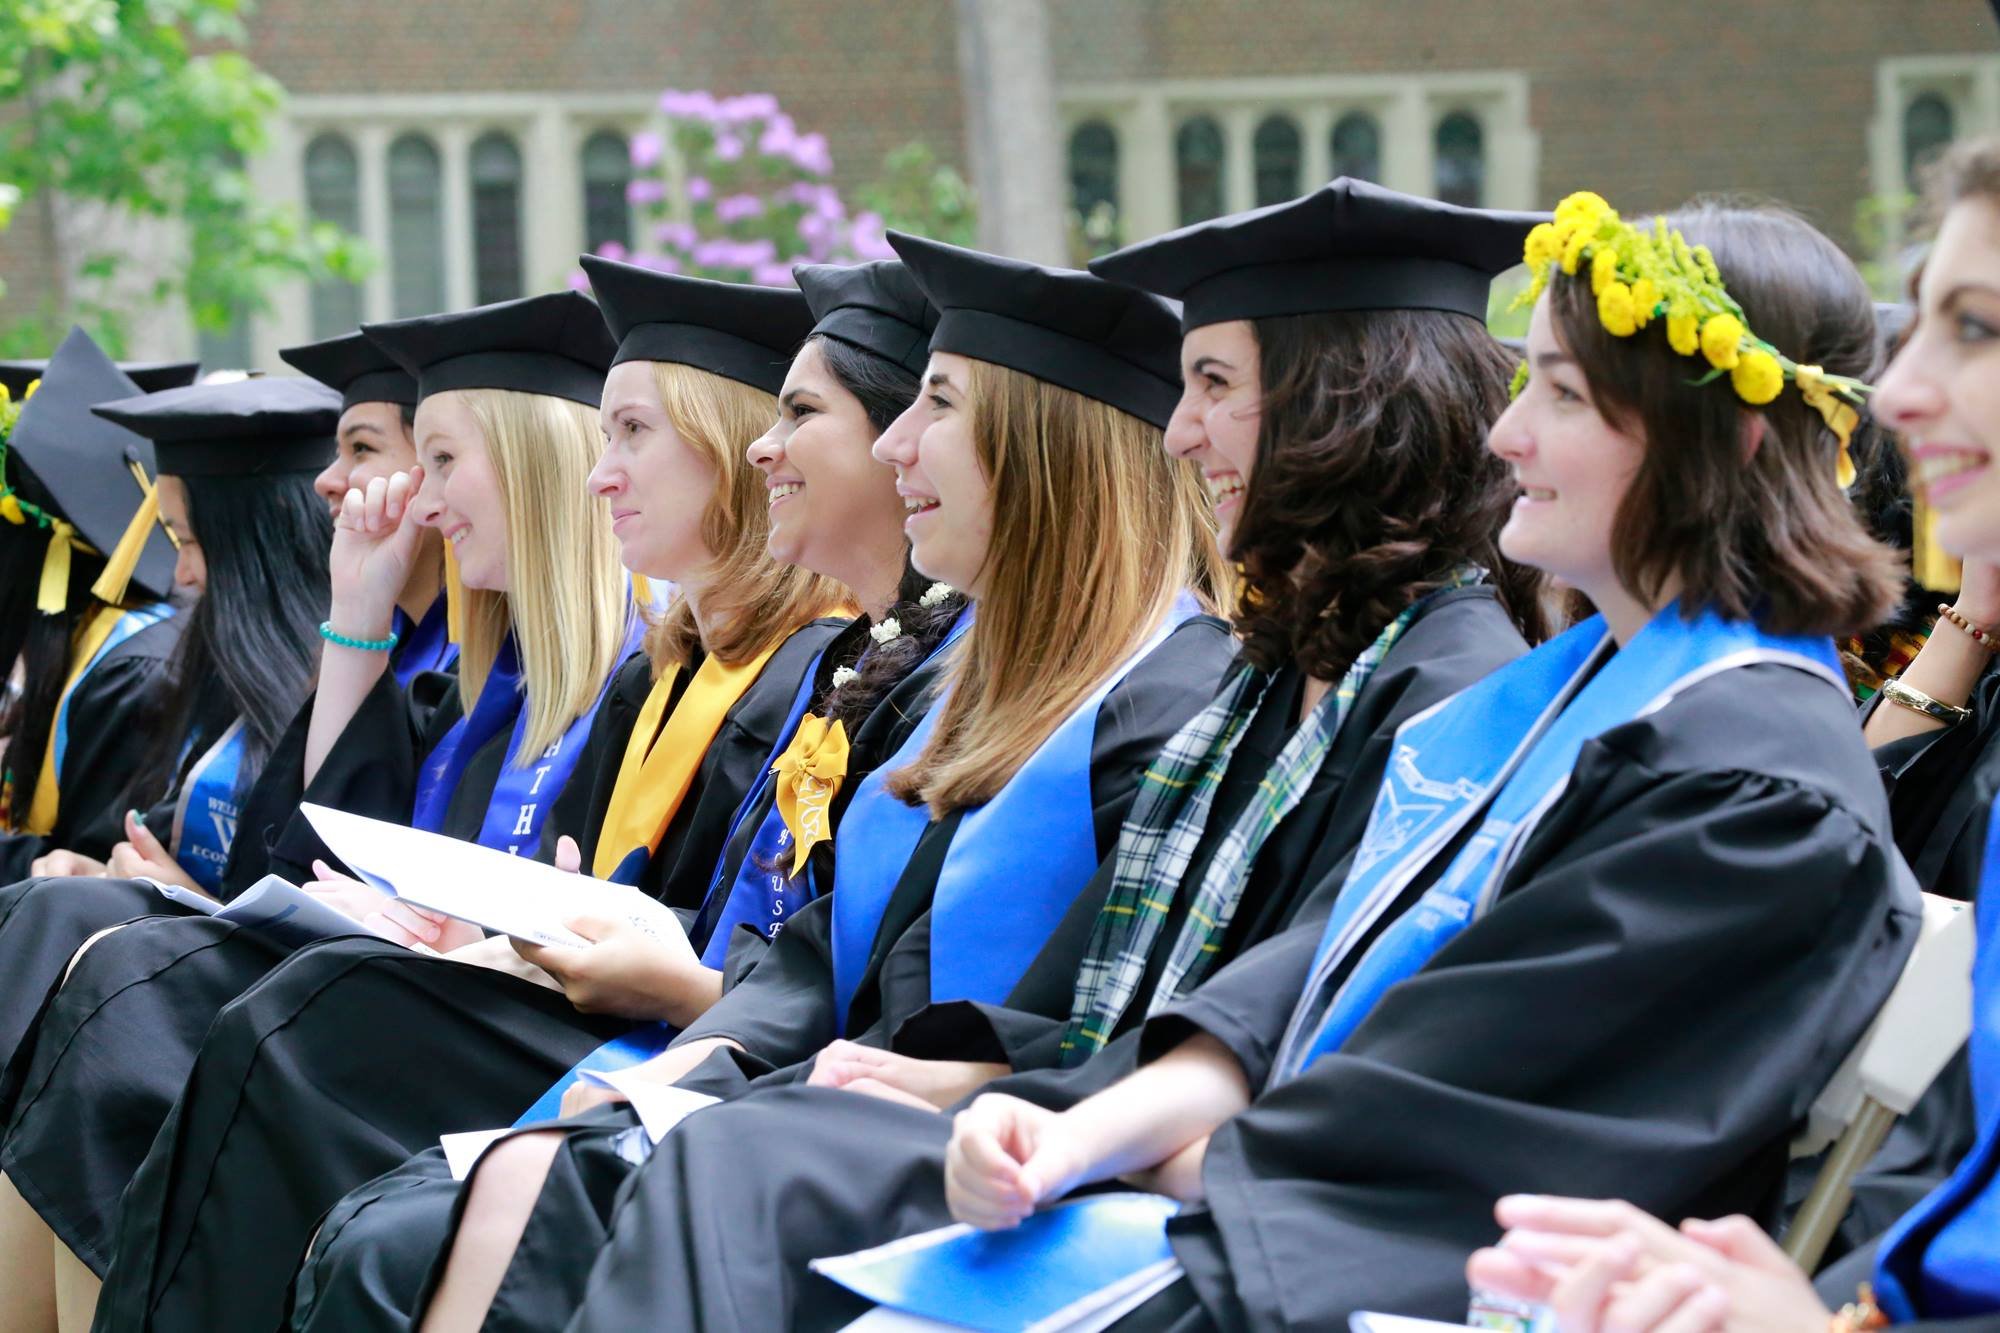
{"x": 327, "y": 632}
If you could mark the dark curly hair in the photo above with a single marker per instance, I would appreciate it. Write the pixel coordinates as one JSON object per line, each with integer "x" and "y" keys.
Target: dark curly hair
{"x": 1372, "y": 482}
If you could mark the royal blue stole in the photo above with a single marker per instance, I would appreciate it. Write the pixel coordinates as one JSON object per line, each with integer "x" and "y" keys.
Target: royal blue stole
{"x": 207, "y": 810}
{"x": 1014, "y": 866}
{"x": 1504, "y": 748}
{"x": 424, "y": 645}
{"x": 1942, "y": 1260}
{"x": 144, "y": 617}
{"x": 522, "y": 794}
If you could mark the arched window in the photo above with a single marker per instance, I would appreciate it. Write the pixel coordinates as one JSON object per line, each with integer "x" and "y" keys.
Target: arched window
{"x": 1461, "y": 160}
{"x": 496, "y": 218}
{"x": 1198, "y": 169}
{"x": 1093, "y": 184}
{"x": 416, "y": 227}
{"x": 1928, "y": 124}
{"x": 607, "y": 170}
{"x": 333, "y": 196}
{"x": 1357, "y": 147}
{"x": 1275, "y": 151}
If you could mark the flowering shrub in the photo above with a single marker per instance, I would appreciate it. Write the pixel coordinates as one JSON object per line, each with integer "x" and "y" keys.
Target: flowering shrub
{"x": 729, "y": 188}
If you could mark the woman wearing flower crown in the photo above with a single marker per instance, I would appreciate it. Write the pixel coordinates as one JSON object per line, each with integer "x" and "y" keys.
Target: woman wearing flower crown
{"x": 1619, "y": 902}
{"x": 1608, "y": 1265}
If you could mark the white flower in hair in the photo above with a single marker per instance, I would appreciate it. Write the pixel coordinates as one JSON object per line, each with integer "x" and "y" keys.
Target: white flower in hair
{"x": 841, "y": 675}
{"x": 885, "y": 632}
{"x": 935, "y": 595}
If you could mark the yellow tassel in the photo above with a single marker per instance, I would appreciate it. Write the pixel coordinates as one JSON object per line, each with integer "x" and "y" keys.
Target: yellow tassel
{"x": 454, "y": 598}
{"x": 111, "y": 585}
{"x": 642, "y": 592}
{"x": 1930, "y": 565}
{"x": 53, "y": 595}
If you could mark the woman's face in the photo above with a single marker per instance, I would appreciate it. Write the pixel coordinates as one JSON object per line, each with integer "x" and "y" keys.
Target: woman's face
{"x": 461, "y": 495}
{"x": 657, "y": 484}
{"x": 1216, "y": 423}
{"x": 1942, "y": 392}
{"x": 834, "y": 509}
{"x": 371, "y": 442}
{"x": 947, "y": 498}
{"x": 1572, "y": 467}
{"x": 190, "y": 567}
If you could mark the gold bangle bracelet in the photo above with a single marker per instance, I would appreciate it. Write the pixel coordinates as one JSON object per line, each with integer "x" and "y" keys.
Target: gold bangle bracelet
{"x": 1896, "y": 692}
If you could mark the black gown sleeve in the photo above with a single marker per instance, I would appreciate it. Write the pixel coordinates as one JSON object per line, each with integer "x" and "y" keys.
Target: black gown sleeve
{"x": 1673, "y": 970}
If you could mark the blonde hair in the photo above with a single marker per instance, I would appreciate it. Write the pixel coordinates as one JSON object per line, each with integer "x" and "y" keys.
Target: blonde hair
{"x": 1095, "y": 531}
{"x": 749, "y": 600}
{"x": 566, "y": 600}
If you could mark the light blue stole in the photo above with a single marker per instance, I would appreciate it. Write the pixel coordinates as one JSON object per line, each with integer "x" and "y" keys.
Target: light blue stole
{"x": 144, "y": 617}
{"x": 207, "y": 810}
{"x": 1503, "y": 747}
{"x": 1942, "y": 1260}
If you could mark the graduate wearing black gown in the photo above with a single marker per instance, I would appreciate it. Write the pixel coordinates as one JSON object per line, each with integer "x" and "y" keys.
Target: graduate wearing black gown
{"x": 97, "y": 661}
{"x": 1636, "y": 986}
{"x": 86, "y": 1094}
{"x": 481, "y": 1042}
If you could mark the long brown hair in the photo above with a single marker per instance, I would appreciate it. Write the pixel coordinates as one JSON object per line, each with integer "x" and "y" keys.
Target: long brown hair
{"x": 1095, "y": 531}
{"x": 1762, "y": 534}
{"x": 1373, "y": 481}
{"x": 749, "y": 600}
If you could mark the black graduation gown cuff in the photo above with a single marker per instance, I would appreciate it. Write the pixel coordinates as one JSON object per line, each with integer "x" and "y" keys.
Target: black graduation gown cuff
{"x": 1246, "y": 1006}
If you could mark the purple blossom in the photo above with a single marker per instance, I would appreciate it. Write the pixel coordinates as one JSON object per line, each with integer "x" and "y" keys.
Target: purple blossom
{"x": 699, "y": 188}
{"x": 828, "y": 204}
{"x": 645, "y": 190}
{"x": 813, "y": 227}
{"x": 715, "y": 254}
{"x": 763, "y": 250}
{"x": 688, "y": 106}
{"x": 657, "y": 262}
{"x": 680, "y": 235}
{"x": 870, "y": 238}
{"x": 728, "y": 147}
{"x": 647, "y": 145}
{"x": 578, "y": 280}
{"x": 749, "y": 106}
{"x": 736, "y": 207}
{"x": 779, "y": 136}
{"x": 772, "y": 275}
{"x": 612, "y": 250}
{"x": 812, "y": 154}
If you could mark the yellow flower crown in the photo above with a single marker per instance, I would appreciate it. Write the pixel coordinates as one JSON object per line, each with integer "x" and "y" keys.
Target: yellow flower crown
{"x": 1639, "y": 276}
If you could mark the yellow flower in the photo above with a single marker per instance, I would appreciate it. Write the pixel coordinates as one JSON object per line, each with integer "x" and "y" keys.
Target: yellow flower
{"x": 1614, "y": 310}
{"x": 1720, "y": 337}
{"x": 1603, "y": 269}
{"x": 1542, "y": 248}
{"x": 1758, "y": 377}
{"x": 1573, "y": 250}
{"x": 10, "y": 508}
{"x": 1683, "y": 334}
{"x": 1645, "y": 299}
{"x": 1518, "y": 383}
{"x": 1583, "y": 207}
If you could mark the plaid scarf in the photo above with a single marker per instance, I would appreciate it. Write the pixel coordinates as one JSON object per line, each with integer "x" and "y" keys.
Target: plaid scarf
{"x": 1165, "y": 827}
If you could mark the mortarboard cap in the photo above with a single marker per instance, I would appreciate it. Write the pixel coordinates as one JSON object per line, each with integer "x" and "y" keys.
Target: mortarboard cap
{"x": 1348, "y": 245}
{"x": 1115, "y": 344}
{"x": 740, "y": 331}
{"x": 84, "y": 464}
{"x": 876, "y": 306}
{"x": 553, "y": 344}
{"x": 243, "y": 428}
{"x": 356, "y": 369}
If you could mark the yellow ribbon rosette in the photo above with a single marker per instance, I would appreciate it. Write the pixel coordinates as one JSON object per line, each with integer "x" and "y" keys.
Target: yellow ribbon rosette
{"x": 809, "y": 776}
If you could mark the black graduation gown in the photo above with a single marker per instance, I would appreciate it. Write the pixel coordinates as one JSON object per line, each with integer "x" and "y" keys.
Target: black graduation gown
{"x": 360, "y": 1269}
{"x": 1686, "y": 947}
{"x": 95, "y": 1075}
{"x": 114, "y": 718}
{"x": 474, "y": 1048}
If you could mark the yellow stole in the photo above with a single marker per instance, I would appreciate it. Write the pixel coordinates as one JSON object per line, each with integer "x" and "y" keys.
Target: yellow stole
{"x": 47, "y": 799}
{"x": 660, "y": 760}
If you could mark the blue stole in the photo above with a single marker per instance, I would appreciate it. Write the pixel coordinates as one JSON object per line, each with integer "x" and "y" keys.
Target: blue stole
{"x": 523, "y": 793}
{"x": 1505, "y": 747}
{"x": 1035, "y": 842}
{"x": 423, "y": 646}
{"x": 144, "y": 617}
{"x": 206, "y": 813}
{"x": 1942, "y": 1260}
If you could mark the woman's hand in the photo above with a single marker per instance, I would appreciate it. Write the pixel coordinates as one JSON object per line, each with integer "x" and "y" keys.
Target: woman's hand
{"x": 344, "y": 894}
{"x": 142, "y": 856}
{"x": 63, "y": 862}
{"x": 1006, "y": 1157}
{"x": 415, "y": 928}
{"x": 582, "y": 1096}
{"x": 628, "y": 972}
{"x": 375, "y": 538}
{"x": 876, "y": 1072}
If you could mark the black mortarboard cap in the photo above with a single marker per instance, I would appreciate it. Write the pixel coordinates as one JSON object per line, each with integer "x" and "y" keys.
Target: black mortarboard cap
{"x": 238, "y": 429}
{"x": 83, "y": 463}
{"x": 876, "y": 306}
{"x": 355, "y": 368}
{"x": 148, "y": 376}
{"x": 737, "y": 330}
{"x": 1116, "y": 344}
{"x": 1348, "y": 245}
{"x": 553, "y": 344}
